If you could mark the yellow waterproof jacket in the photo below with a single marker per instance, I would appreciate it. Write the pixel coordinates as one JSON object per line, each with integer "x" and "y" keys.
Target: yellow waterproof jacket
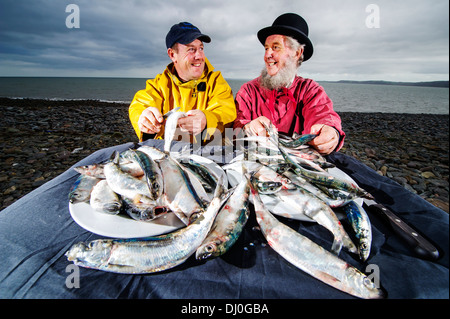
{"x": 166, "y": 92}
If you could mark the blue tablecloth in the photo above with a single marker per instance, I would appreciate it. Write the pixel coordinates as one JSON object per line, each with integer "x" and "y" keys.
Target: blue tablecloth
{"x": 37, "y": 230}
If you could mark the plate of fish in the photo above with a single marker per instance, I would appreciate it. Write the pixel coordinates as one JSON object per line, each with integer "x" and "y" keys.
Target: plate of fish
{"x": 114, "y": 198}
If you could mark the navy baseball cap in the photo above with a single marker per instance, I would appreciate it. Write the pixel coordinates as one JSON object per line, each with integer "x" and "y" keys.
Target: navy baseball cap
{"x": 184, "y": 33}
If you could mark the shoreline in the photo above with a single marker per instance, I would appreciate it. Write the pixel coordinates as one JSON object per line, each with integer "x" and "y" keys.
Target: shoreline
{"x": 40, "y": 139}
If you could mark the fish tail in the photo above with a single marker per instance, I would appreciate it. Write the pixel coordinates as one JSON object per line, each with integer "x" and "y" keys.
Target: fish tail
{"x": 273, "y": 136}
{"x": 336, "y": 247}
{"x": 349, "y": 245}
{"x": 115, "y": 156}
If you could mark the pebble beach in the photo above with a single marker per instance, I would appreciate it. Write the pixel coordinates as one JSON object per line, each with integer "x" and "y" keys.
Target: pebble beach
{"x": 40, "y": 139}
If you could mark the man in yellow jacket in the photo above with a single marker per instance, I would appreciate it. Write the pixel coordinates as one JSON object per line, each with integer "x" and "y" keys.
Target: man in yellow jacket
{"x": 189, "y": 82}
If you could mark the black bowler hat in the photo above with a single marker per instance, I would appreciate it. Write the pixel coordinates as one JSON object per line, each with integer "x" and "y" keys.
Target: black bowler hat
{"x": 292, "y": 25}
{"x": 184, "y": 33}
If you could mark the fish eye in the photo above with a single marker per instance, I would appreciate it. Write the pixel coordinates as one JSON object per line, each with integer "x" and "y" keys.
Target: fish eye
{"x": 210, "y": 248}
{"x": 367, "y": 282}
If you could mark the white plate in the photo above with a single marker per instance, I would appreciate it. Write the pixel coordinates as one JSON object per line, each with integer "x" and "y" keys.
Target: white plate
{"x": 121, "y": 226}
{"x": 235, "y": 176}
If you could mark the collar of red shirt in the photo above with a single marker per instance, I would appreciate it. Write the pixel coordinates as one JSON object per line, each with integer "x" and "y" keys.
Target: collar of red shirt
{"x": 273, "y": 95}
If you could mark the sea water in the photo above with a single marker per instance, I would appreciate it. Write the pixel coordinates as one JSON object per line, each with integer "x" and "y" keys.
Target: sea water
{"x": 346, "y": 97}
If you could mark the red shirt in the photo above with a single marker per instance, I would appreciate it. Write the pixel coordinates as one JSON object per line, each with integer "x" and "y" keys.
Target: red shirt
{"x": 293, "y": 109}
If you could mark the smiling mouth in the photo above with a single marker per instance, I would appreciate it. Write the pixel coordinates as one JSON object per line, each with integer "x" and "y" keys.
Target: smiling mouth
{"x": 196, "y": 65}
{"x": 271, "y": 63}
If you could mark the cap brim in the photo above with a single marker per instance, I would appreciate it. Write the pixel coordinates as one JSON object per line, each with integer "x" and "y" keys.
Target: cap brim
{"x": 202, "y": 37}
{"x": 285, "y": 30}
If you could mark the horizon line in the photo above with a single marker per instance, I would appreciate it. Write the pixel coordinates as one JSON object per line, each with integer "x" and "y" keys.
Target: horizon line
{"x": 238, "y": 79}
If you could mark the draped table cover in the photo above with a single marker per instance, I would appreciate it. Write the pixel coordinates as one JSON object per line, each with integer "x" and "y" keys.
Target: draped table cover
{"x": 37, "y": 230}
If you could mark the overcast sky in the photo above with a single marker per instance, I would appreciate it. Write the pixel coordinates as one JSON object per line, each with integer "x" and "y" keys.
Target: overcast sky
{"x": 126, "y": 38}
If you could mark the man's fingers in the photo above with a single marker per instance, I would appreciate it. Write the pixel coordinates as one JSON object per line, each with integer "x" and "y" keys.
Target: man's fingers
{"x": 325, "y": 148}
{"x": 194, "y": 122}
{"x": 153, "y": 115}
{"x": 326, "y": 141}
{"x": 148, "y": 126}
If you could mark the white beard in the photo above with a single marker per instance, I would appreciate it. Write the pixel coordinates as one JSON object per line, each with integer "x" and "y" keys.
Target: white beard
{"x": 283, "y": 77}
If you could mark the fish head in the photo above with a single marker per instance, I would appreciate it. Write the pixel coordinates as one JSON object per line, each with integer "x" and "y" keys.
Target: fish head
{"x": 77, "y": 193}
{"x": 268, "y": 187}
{"x": 94, "y": 253}
{"x": 156, "y": 188}
{"x": 78, "y": 196}
{"x": 115, "y": 157}
{"x": 364, "y": 248}
{"x": 362, "y": 285}
{"x": 206, "y": 250}
{"x": 95, "y": 169}
{"x": 144, "y": 211}
{"x": 112, "y": 208}
{"x": 152, "y": 212}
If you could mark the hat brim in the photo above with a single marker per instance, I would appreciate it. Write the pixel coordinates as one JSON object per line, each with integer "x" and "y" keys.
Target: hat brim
{"x": 202, "y": 37}
{"x": 292, "y": 32}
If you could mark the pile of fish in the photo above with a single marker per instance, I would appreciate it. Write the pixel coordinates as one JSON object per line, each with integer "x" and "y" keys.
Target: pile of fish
{"x": 133, "y": 183}
{"x": 147, "y": 183}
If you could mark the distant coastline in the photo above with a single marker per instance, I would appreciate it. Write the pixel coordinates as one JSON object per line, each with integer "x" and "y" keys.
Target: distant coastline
{"x": 441, "y": 84}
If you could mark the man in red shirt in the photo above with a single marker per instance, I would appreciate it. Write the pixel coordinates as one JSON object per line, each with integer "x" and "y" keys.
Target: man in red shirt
{"x": 291, "y": 103}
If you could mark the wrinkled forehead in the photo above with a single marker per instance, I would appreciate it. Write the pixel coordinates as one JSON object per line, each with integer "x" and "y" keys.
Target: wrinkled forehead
{"x": 275, "y": 39}
{"x": 194, "y": 44}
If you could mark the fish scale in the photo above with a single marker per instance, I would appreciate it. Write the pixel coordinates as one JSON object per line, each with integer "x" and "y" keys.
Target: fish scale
{"x": 152, "y": 173}
{"x": 123, "y": 183}
{"x": 360, "y": 223}
{"x": 180, "y": 196}
{"x": 228, "y": 224}
{"x": 317, "y": 210}
{"x": 82, "y": 188}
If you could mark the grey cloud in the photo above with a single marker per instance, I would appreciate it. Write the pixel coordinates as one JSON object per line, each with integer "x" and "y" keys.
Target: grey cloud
{"x": 127, "y": 38}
